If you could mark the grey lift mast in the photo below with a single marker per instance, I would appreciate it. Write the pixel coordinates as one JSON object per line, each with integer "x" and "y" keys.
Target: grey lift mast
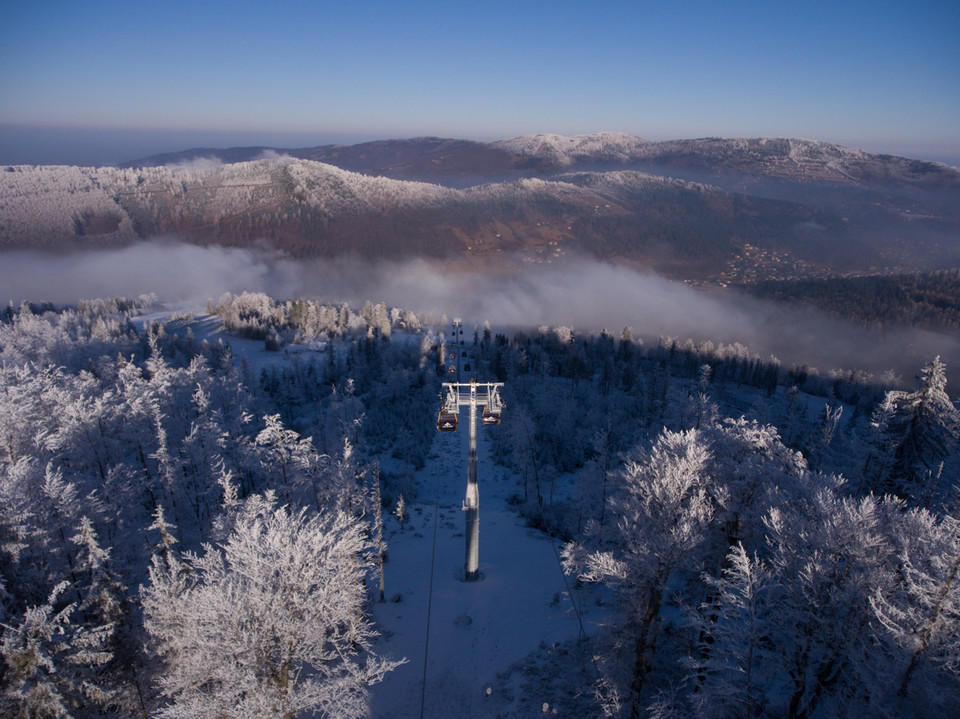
{"x": 472, "y": 394}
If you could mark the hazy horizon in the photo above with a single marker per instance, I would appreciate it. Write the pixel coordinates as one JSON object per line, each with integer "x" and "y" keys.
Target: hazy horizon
{"x": 99, "y": 83}
{"x": 100, "y": 147}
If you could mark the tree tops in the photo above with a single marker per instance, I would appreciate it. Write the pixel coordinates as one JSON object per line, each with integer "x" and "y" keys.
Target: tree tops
{"x": 270, "y": 623}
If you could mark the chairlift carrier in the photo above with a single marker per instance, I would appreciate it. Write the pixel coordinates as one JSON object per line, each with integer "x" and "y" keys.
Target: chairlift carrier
{"x": 457, "y": 394}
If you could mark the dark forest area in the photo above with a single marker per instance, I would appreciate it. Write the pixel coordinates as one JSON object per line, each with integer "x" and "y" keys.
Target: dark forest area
{"x": 930, "y": 300}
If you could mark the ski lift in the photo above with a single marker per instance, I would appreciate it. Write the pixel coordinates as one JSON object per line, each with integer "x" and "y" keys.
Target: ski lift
{"x": 491, "y": 411}
{"x": 447, "y": 415}
{"x": 489, "y": 416}
{"x": 446, "y": 420}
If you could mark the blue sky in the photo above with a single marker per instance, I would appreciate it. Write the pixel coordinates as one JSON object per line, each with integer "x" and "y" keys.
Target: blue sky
{"x": 148, "y": 76}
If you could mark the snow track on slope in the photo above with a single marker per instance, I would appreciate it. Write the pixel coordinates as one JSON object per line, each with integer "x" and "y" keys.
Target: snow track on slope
{"x": 493, "y": 634}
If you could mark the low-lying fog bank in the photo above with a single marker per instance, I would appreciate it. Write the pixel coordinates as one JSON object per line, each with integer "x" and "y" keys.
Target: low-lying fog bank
{"x": 583, "y": 294}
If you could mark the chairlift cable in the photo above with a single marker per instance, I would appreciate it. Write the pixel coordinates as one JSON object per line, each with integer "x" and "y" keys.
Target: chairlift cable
{"x": 566, "y": 582}
{"x": 576, "y": 609}
{"x": 433, "y": 554}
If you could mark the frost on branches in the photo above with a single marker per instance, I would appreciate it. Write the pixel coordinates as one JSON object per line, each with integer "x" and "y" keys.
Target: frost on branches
{"x": 270, "y": 624}
{"x": 750, "y": 586}
{"x": 663, "y": 511}
{"x": 53, "y": 661}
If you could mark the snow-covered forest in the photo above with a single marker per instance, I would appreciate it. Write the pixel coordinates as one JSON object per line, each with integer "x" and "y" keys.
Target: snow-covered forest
{"x": 187, "y": 530}
{"x": 46, "y": 206}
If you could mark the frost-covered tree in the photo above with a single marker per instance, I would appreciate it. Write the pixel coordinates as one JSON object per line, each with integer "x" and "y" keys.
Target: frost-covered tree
{"x": 291, "y": 459}
{"x": 400, "y": 512}
{"x": 881, "y": 445}
{"x": 342, "y": 488}
{"x": 663, "y": 511}
{"x": 751, "y": 470}
{"x": 925, "y": 428}
{"x": 919, "y": 617}
{"x": 101, "y": 591}
{"x": 270, "y": 624}
{"x": 106, "y": 603}
{"x": 729, "y": 678}
{"x": 821, "y": 438}
{"x": 829, "y": 554}
{"x": 52, "y": 662}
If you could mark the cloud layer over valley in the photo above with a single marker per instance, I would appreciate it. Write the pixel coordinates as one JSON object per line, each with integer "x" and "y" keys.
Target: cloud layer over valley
{"x": 583, "y": 294}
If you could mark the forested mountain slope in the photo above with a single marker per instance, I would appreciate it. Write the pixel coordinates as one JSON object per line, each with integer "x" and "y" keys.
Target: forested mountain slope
{"x": 773, "y": 537}
{"x": 310, "y": 209}
{"x": 929, "y": 300}
{"x": 691, "y": 209}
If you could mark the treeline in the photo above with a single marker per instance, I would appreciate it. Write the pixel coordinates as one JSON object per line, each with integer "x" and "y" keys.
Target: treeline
{"x": 143, "y": 486}
{"x": 571, "y": 392}
{"x": 255, "y": 315}
{"x": 924, "y": 299}
{"x": 81, "y": 337}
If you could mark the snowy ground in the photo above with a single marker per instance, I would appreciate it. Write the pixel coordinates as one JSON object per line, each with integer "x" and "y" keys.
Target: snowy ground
{"x": 208, "y": 327}
{"x": 492, "y": 643}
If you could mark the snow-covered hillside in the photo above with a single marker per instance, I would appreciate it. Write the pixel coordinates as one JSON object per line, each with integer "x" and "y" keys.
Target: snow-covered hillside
{"x": 795, "y": 158}
{"x": 44, "y": 205}
{"x": 526, "y": 199}
{"x": 624, "y": 148}
{"x": 561, "y": 150}
{"x": 190, "y": 523}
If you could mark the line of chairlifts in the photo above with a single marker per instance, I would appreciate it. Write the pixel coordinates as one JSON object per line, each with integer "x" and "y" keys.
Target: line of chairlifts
{"x": 447, "y": 416}
{"x": 447, "y": 420}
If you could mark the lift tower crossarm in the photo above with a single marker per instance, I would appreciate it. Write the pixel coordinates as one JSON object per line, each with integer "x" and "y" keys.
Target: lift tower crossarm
{"x": 459, "y": 394}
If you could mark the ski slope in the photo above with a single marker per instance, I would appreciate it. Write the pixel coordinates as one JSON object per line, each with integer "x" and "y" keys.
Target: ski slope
{"x": 490, "y": 641}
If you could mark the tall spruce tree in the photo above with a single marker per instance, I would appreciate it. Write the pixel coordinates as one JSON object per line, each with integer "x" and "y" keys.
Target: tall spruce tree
{"x": 924, "y": 428}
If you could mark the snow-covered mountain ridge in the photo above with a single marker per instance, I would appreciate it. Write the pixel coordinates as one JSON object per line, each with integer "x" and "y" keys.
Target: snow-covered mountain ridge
{"x": 624, "y": 147}
{"x": 567, "y": 150}
{"x": 688, "y": 208}
{"x": 446, "y": 160}
{"x": 794, "y": 158}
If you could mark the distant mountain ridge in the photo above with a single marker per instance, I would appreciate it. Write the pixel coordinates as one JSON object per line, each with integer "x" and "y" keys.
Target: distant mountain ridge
{"x": 798, "y": 159}
{"x": 706, "y": 210}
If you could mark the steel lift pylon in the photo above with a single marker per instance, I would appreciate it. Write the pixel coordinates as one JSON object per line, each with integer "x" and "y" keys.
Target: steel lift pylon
{"x": 471, "y": 394}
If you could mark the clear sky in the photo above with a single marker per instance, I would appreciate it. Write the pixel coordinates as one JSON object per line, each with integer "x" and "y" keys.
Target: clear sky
{"x": 133, "y": 77}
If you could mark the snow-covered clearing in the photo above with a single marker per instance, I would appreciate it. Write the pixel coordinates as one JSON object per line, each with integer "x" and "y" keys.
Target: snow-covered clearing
{"x": 488, "y": 640}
